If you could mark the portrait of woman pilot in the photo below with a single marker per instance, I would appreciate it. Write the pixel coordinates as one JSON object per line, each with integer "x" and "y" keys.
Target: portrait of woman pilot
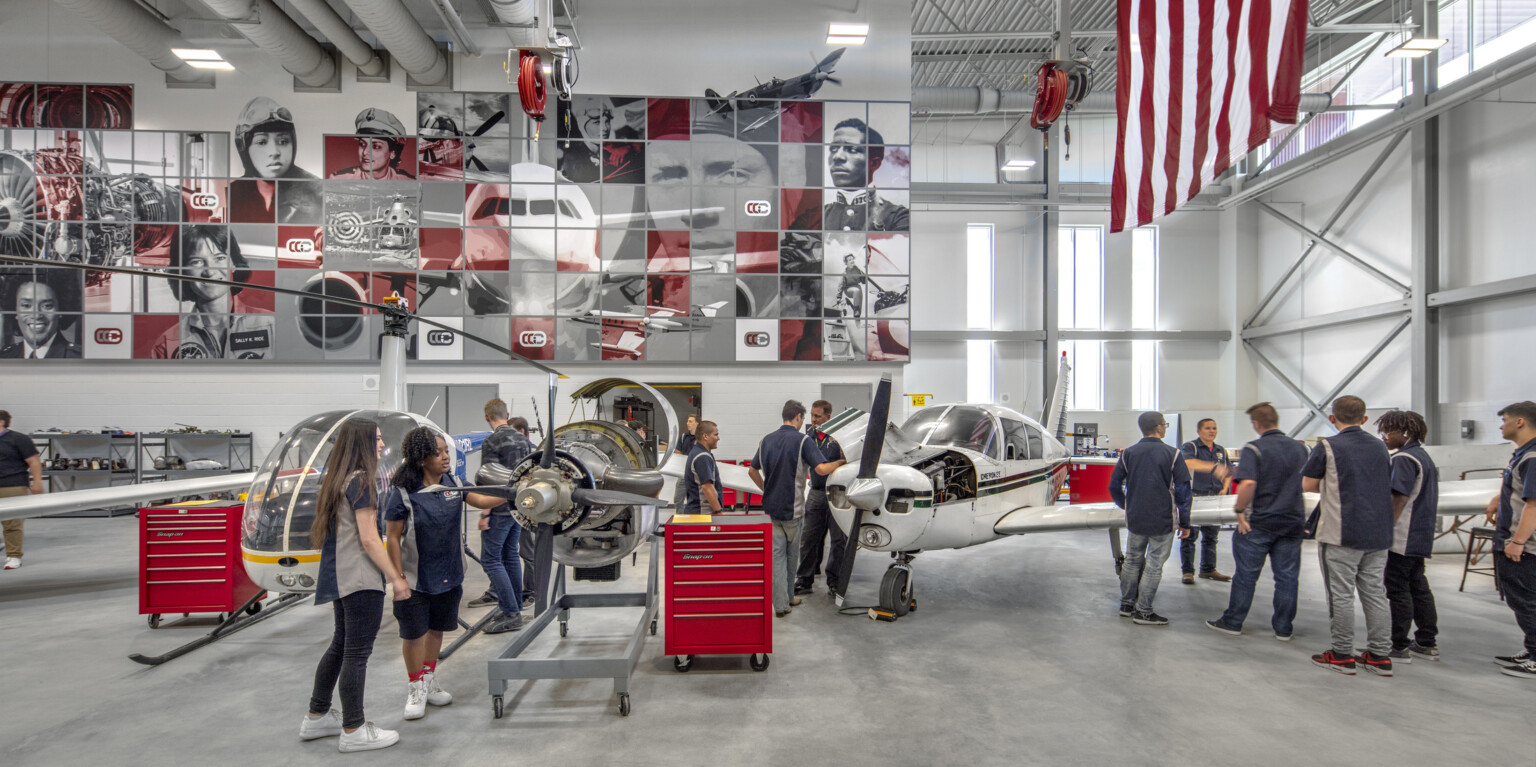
{"x": 380, "y": 147}
{"x": 208, "y": 329}
{"x": 266, "y": 141}
{"x": 43, "y": 302}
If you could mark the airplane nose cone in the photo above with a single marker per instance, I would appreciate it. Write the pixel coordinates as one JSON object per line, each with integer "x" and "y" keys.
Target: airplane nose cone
{"x": 867, "y": 494}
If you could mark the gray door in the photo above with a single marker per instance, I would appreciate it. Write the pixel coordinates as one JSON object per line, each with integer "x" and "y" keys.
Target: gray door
{"x": 845, "y": 395}
{"x": 458, "y": 408}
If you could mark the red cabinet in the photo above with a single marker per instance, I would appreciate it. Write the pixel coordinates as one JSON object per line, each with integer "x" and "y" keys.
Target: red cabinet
{"x": 189, "y": 560}
{"x": 719, "y": 598}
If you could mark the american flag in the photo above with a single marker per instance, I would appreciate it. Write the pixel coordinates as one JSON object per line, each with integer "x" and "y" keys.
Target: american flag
{"x": 1199, "y": 82}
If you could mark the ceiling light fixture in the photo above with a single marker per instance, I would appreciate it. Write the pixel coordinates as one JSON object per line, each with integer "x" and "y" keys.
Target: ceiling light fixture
{"x": 1018, "y": 164}
{"x": 846, "y": 34}
{"x": 845, "y": 40}
{"x": 1416, "y": 48}
{"x": 222, "y": 66}
{"x": 197, "y": 54}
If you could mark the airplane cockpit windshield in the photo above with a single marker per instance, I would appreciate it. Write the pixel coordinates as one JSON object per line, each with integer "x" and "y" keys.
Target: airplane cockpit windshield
{"x": 959, "y": 426}
{"x": 281, "y": 504}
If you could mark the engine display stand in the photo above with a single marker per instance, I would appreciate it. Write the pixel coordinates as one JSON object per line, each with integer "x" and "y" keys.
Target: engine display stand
{"x": 507, "y": 665}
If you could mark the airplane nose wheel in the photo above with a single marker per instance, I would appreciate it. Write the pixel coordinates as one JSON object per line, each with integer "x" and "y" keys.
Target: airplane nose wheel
{"x": 896, "y": 590}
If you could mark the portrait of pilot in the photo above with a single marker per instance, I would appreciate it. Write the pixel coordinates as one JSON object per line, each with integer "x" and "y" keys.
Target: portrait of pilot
{"x": 45, "y": 323}
{"x": 266, "y": 141}
{"x": 381, "y": 147}
{"x": 432, "y": 122}
{"x": 855, "y": 153}
{"x": 208, "y": 328}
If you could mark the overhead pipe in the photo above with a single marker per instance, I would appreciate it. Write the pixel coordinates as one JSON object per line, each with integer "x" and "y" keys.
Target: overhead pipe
{"x": 978, "y": 100}
{"x": 403, "y": 37}
{"x": 271, "y": 30}
{"x": 515, "y": 11}
{"x": 456, "y": 28}
{"x": 340, "y": 33}
{"x": 139, "y": 31}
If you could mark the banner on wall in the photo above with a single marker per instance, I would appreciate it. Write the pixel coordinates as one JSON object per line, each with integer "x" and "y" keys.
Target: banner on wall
{"x": 639, "y": 229}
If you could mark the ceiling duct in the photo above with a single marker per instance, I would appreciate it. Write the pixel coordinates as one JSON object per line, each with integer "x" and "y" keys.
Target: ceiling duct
{"x": 264, "y": 24}
{"x": 139, "y": 31}
{"x": 408, "y": 44}
{"x": 340, "y": 33}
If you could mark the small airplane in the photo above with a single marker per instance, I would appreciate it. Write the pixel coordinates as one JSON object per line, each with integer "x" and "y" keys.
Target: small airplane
{"x": 803, "y": 86}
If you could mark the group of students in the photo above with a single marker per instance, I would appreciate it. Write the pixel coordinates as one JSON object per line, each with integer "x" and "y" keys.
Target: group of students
{"x": 1374, "y": 524}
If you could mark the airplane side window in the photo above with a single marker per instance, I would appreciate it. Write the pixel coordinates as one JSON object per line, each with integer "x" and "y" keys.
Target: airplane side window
{"x": 568, "y": 210}
{"x": 1036, "y": 444}
{"x": 488, "y": 208}
{"x": 1017, "y": 441}
{"x": 517, "y": 207}
{"x": 541, "y": 207}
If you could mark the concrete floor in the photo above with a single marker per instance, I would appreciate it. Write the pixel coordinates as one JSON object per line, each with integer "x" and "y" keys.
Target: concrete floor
{"x": 1015, "y": 656}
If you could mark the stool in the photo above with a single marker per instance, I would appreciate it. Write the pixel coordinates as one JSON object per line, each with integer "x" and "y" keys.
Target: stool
{"x": 1476, "y": 540}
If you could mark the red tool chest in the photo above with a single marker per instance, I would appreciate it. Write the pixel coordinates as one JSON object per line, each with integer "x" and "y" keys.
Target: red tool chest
{"x": 189, "y": 560}
{"x": 719, "y": 598}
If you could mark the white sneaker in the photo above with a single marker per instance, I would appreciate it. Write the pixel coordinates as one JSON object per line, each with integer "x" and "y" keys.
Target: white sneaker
{"x": 416, "y": 700}
{"x": 13, "y": 563}
{"x": 436, "y": 695}
{"x": 367, "y": 738}
{"x": 326, "y": 725}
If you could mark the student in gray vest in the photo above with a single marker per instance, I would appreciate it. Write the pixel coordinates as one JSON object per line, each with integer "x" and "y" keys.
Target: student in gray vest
{"x": 1415, "y": 502}
{"x": 1352, "y": 474}
{"x": 701, "y": 475}
{"x": 1151, "y": 483}
{"x": 1514, "y": 560}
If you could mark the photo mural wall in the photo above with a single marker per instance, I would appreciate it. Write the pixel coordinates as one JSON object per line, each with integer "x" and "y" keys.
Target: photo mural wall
{"x": 640, "y": 229}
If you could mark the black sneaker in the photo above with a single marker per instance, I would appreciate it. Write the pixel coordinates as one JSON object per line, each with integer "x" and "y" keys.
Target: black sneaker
{"x": 1400, "y": 655}
{"x": 1380, "y": 665}
{"x": 1344, "y": 664}
{"x": 1217, "y": 625}
{"x": 1149, "y": 619}
{"x": 484, "y": 600}
{"x": 1127, "y": 609}
{"x": 1508, "y": 660}
{"x": 1523, "y": 670}
{"x": 528, "y": 602}
{"x": 505, "y": 623}
{"x": 1426, "y": 652}
{"x": 802, "y": 590}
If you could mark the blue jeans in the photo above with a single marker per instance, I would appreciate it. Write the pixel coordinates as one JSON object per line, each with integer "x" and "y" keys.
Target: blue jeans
{"x": 1248, "y": 553}
{"x": 1207, "y": 535}
{"x": 498, "y": 555}
{"x": 786, "y": 560}
{"x": 1143, "y": 568}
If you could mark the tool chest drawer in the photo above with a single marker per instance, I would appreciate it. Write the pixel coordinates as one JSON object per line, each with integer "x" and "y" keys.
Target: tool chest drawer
{"x": 719, "y": 581}
{"x": 189, "y": 560}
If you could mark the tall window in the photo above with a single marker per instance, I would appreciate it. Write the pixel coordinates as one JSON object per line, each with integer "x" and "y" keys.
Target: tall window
{"x": 1144, "y": 297}
{"x": 979, "y": 255}
{"x": 1080, "y": 298}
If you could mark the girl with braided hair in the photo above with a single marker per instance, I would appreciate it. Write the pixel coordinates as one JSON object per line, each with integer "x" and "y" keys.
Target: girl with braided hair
{"x": 426, "y": 531}
{"x": 1415, "y": 500}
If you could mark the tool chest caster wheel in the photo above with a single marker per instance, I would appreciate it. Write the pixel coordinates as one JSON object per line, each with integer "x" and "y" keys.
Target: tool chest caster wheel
{"x": 496, "y": 706}
{"x": 682, "y": 663}
{"x": 653, "y": 628}
{"x": 253, "y": 609}
{"x": 759, "y": 665}
{"x": 623, "y": 704}
{"x": 563, "y": 629}
{"x": 154, "y": 621}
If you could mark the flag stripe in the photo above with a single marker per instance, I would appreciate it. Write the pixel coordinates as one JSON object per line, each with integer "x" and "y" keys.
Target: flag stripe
{"x": 1198, "y": 85}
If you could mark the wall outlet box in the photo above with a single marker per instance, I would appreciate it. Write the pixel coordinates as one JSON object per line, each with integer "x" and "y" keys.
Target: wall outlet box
{"x": 1468, "y": 429}
{"x": 370, "y": 383}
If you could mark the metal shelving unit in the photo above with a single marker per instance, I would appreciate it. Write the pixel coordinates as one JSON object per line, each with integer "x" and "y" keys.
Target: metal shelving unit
{"x": 110, "y": 447}
{"x": 235, "y": 451}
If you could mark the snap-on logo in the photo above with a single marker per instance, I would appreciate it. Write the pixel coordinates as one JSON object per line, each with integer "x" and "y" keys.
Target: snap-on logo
{"x": 756, "y": 338}
{"x": 299, "y": 245}
{"x": 439, "y": 338}
{"x": 109, "y": 336}
{"x": 205, "y": 201}
{"x": 533, "y": 338}
{"x": 698, "y": 556}
{"x": 758, "y": 208}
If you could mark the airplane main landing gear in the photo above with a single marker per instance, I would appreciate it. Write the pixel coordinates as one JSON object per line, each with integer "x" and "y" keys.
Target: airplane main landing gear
{"x": 896, "y": 587}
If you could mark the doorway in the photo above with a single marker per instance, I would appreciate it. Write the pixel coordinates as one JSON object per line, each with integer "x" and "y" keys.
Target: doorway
{"x": 848, "y": 395}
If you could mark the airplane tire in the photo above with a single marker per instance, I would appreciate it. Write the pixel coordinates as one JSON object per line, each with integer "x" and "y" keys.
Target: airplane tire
{"x": 896, "y": 592}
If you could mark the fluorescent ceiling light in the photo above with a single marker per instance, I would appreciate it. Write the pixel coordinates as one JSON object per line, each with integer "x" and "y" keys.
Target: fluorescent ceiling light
{"x": 1416, "y": 48}
{"x": 1018, "y": 164}
{"x": 197, "y": 54}
{"x": 845, "y": 39}
{"x": 219, "y": 65}
{"x": 859, "y": 30}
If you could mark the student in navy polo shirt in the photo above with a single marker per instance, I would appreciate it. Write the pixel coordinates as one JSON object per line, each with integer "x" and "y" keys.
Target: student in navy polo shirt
{"x": 779, "y": 468}
{"x": 1514, "y": 560}
{"x": 683, "y": 446}
{"x": 1210, "y": 467}
{"x": 426, "y": 548}
{"x": 818, "y": 515}
{"x": 1415, "y": 502}
{"x": 1352, "y": 473}
{"x": 1151, "y": 483}
{"x": 1270, "y": 518}
{"x": 701, "y": 476}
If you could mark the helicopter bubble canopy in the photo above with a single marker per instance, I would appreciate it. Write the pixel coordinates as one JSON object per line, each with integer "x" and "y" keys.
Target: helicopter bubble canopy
{"x": 280, "y": 507}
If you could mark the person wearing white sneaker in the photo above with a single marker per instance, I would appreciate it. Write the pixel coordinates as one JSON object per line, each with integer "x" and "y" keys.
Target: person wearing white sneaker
{"x": 21, "y": 473}
{"x": 1514, "y": 543}
{"x": 351, "y": 578}
{"x": 425, "y": 530}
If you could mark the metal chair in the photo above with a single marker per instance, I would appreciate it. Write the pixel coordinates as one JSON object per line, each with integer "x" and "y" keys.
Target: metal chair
{"x": 1476, "y": 541}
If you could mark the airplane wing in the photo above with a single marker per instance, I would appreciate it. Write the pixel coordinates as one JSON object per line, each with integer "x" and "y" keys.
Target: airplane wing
{"x": 731, "y": 475}
{"x": 26, "y": 506}
{"x": 1457, "y": 498}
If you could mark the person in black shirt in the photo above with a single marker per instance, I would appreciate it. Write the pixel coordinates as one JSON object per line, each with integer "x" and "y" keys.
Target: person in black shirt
{"x": 1270, "y": 518}
{"x": 1210, "y": 467}
{"x": 500, "y": 534}
{"x": 701, "y": 475}
{"x": 818, "y": 517}
{"x": 21, "y": 473}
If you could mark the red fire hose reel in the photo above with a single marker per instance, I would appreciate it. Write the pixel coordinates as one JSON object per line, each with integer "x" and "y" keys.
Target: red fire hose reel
{"x": 1060, "y": 85}
{"x": 530, "y": 84}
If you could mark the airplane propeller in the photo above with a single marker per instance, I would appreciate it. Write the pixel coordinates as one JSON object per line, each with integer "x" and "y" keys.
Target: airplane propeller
{"x": 485, "y": 126}
{"x": 833, "y": 80}
{"x": 866, "y": 493}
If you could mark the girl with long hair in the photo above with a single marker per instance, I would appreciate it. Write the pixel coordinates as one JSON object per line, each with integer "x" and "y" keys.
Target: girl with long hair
{"x": 352, "y": 574}
{"x": 426, "y": 534}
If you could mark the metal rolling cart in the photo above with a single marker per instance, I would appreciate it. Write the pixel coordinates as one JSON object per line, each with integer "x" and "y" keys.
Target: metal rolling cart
{"x": 720, "y": 589}
{"x": 507, "y": 665}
